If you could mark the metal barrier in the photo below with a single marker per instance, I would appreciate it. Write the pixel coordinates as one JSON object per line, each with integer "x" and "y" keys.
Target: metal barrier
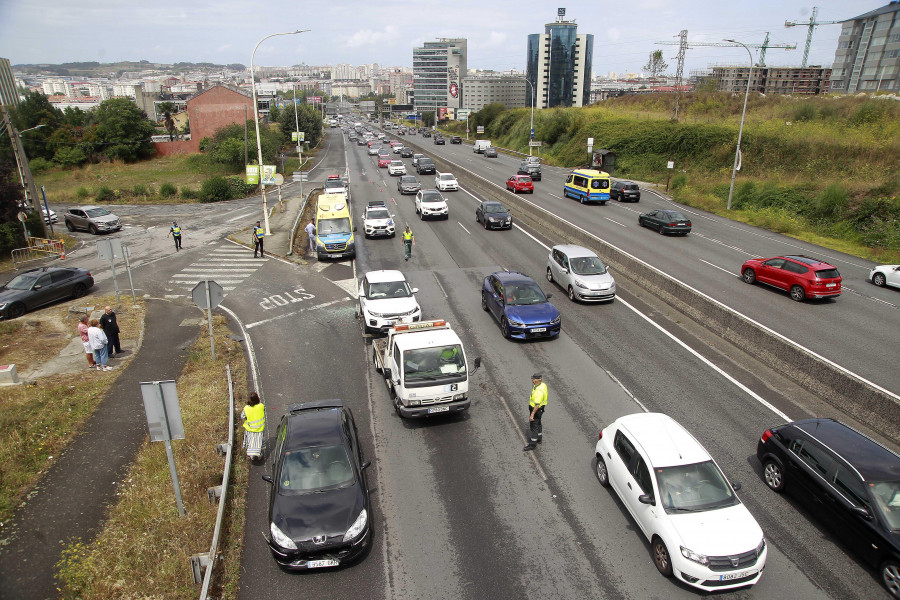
{"x": 38, "y": 249}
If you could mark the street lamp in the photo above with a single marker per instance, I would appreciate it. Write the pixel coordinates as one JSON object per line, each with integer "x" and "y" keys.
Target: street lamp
{"x": 256, "y": 122}
{"x": 531, "y": 130}
{"x": 737, "y": 154}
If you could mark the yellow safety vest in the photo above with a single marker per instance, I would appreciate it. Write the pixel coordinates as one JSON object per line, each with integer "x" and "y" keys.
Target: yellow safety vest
{"x": 260, "y": 232}
{"x": 176, "y": 231}
{"x": 256, "y": 417}
{"x": 538, "y": 395}
{"x": 407, "y": 236}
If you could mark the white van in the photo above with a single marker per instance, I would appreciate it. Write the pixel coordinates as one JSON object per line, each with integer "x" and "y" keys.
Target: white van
{"x": 480, "y": 145}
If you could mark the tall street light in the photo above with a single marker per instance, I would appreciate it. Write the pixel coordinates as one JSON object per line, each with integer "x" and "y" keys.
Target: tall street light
{"x": 737, "y": 154}
{"x": 533, "y": 98}
{"x": 256, "y": 122}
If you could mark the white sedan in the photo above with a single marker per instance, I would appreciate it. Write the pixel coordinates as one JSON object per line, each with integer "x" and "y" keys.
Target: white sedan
{"x": 396, "y": 168}
{"x": 885, "y": 275}
{"x": 446, "y": 181}
{"x": 699, "y": 530}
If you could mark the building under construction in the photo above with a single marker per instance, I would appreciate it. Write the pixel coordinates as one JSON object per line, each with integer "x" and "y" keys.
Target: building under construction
{"x": 804, "y": 81}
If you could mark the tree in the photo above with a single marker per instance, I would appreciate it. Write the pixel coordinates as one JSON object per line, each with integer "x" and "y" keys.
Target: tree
{"x": 428, "y": 118}
{"x": 122, "y": 131}
{"x": 167, "y": 108}
{"x": 33, "y": 111}
{"x": 656, "y": 64}
{"x": 310, "y": 122}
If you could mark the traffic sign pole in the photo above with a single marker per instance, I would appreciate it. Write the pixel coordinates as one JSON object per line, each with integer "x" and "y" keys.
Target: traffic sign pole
{"x": 212, "y": 343}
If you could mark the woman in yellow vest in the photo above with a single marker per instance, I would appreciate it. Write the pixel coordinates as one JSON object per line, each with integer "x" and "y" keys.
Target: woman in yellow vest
{"x": 254, "y": 416}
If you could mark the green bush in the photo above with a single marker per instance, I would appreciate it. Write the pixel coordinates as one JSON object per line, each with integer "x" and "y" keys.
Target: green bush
{"x": 215, "y": 189}
{"x": 11, "y": 237}
{"x": 804, "y": 111}
{"x": 679, "y": 181}
{"x": 104, "y": 194}
{"x": 39, "y": 165}
{"x": 167, "y": 189}
{"x": 82, "y": 192}
{"x": 238, "y": 187}
{"x": 139, "y": 190}
{"x": 188, "y": 193}
{"x": 830, "y": 204}
{"x": 68, "y": 156}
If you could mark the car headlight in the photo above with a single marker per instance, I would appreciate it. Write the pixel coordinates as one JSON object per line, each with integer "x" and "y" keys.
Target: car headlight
{"x": 320, "y": 244}
{"x": 280, "y": 538}
{"x": 3, "y": 305}
{"x": 390, "y": 221}
{"x": 516, "y": 322}
{"x": 556, "y": 320}
{"x": 357, "y": 527}
{"x": 694, "y": 556}
{"x": 415, "y": 402}
{"x": 761, "y": 547}
{"x": 581, "y": 284}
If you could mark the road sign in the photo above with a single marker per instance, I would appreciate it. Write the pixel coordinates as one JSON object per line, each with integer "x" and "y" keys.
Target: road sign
{"x": 670, "y": 164}
{"x": 532, "y": 134}
{"x": 107, "y": 249}
{"x": 22, "y": 216}
{"x": 279, "y": 179}
{"x": 479, "y": 129}
{"x": 535, "y": 143}
{"x": 216, "y": 294}
{"x": 164, "y": 422}
{"x": 252, "y": 175}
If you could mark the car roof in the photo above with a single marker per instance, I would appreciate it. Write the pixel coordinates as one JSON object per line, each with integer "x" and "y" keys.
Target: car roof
{"x": 384, "y": 275}
{"x": 87, "y": 206}
{"x": 491, "y": 202}
{"x": 872, "y": 460}
{"x": 665, "y": 442}
{"x": 512, "y": 277}
{"x": 315, "y": 426}
{"x": 807, "y": 260}
{"x": 571, "y": 250}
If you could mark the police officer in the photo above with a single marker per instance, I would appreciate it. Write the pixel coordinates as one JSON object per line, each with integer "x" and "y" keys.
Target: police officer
{"x": 536, "y": 405}
{"x": 408, "y": 242}
{"x": 258, "y": 235}
{"x": 175, "y": 232}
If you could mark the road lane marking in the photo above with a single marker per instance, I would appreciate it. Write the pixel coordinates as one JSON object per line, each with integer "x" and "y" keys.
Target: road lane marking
{"x": 521, "y": 433}
{"x": 516, "y": 225}
{"x": 616, "y": 222}
{"x": 438, "y": 282}
{"x": 239, "y": 217}
{"x": 555, "y": 196}
{"x": 297, "y": 312}
{"x": 464, "y": 227}
{"x": 715, "y": 241}
{"x": 719, "y": 268}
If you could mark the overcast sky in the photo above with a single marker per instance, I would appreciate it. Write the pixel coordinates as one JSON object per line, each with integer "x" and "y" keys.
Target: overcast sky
{"x": 385, "y": 31}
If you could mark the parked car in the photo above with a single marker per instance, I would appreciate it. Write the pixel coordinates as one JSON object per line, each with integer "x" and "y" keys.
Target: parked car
{"x": 493, "y": 215}
{"x": 581, "y": 273}
{"x": 520, "y": 183}
{"x": 699, "y": 530}
{"x": 665, "y": 221}
{"x": 396, "y": 168}
{"x": 446, "y": 181}
{"x": 885, "y": 275}
{"x": 406, "y": 152}
{"x": 377, "y": 220}
{"x": 430, "y": 203}
{"x": 94, "y": 219}
{"x": 803, "y": 277}
{"x": 425, "y": 166}
{"x": 408, "y": 184}
{"x": 625, "y": 190}
{"x": 533, "y": 170}
{"x": 455, "y": 139}
{"x": 319, "y": 508}
{"x": 849, "y": 481}
{"x": 490, "y": 152}
{"x": 385, "y": 299}
{"x": 32, "y": 289}
{"x": 439, "y": 140}
{"x": 519, "y": 305}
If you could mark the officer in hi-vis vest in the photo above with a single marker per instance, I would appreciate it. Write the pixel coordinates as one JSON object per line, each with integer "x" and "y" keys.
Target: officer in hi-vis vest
{"x": 258, "y": 234}
{"x": 536, "y": 404}
{"x": 175, "y": 232}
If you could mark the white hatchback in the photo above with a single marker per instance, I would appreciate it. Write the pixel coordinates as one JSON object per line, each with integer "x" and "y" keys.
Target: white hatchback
{"x": 699, "y": 530}
{"x": 580, "y": 273}
{"x": 446, "y": 181}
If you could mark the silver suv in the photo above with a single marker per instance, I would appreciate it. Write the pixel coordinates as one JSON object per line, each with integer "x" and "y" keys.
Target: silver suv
{"x": 94, "y": 219}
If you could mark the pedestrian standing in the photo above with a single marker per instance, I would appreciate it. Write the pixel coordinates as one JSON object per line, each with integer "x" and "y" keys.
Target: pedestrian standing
{"x": 99, "y": 344}
{"x": 111, "y": 328}
{"x": 258, "y": 235}
{"x": 86, "y": 341}
{"x": 254, "y": 416}
{"x": 311, "y": 232}
{"x": 408, "y": 242}
{"x": 536, "y": 405}
{"x": 175, "y": 232}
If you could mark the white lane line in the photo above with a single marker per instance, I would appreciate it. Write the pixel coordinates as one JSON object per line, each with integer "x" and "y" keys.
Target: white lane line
{"x": 238, "y": 218}
{"x": 297, "y": 312}
{"x": 268, "y": 256}
{"x": 872, "y": 298}
{"x": 438, "y": 282}
{"x": 464, "y": 228}
{"x": 715, "y": 241}
{"x": 516, "y": 225}
{"x": 718, "y": 267}
{"x": 518, "y": 429}
{"x": 616, "y": 222}
{"x": 555, "y": 196}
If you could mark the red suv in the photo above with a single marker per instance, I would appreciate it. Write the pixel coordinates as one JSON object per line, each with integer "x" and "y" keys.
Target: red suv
{"x": 802, "y": 276}
{"x": 520, "y": 183}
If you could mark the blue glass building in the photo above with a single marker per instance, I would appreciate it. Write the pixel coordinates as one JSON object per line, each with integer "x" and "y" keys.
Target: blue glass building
{"x": 559, "y": 66}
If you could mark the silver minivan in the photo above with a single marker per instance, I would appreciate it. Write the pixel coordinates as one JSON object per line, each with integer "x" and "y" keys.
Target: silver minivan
{"x": 581, "y": 273}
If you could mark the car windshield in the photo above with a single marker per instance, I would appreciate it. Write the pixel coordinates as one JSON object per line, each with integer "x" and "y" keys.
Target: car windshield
{"x": 314, "y": 469}
{"x": 423, "y": 364}
{"x": 887, "y": 501}
{"x": 432, "y": 197}
{"x": 22, "y": 282}
{"x": 495, "y": 208}
{"x": 447, "y": 178}
{"x": 408, "y": 179}
{"x": 389, "y": 289}
{"x": 694, "y": 488}
{"x": 396, "y": 163}
{"x": 522, "y": 294}
{"x": 326, "y": 226}
{"x": 828, "y": 274}
{"x": 97, "y": 212}
{"x": 587, "y": 265}
{"x": 380, "y": 213}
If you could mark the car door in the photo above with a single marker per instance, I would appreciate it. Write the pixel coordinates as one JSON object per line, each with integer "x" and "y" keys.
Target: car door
{"x": 808, "y": 466}
{"x": 770, "y": 271}
{"x": 846, "y": 497}
{"x": 565, "y": 277}
{"x": 618, "y": 461}
{"x": 893, "y": 276}
{"x": 42, "y": 292}
{"x": 639, "y": 482}
{"x": 62, "y": 283}
{"x": 363, "y": 295}
{"x": 791, "y": 274}
{"x": 650, "y": 219}
{"x": 495, "y": 299}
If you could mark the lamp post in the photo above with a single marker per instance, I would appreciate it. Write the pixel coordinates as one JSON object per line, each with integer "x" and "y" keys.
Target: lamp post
{"x": 531, "y": 131}
{"x": 737, "y": 154}
{"x": 262, "y": 186}
{"x": 299, "y": 143}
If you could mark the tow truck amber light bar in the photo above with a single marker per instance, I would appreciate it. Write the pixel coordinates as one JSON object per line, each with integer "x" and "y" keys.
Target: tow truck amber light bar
{"x": 420, "y": 325}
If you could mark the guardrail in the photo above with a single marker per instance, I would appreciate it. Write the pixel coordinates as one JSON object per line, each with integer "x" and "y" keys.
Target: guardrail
{"x": 877, "y": 407}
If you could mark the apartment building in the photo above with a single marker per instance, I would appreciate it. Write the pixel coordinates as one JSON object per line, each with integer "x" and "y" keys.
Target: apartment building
{"x": 437, "y": 71}
{"x": 867, "y": 58}
{"x": 479, "y": 91}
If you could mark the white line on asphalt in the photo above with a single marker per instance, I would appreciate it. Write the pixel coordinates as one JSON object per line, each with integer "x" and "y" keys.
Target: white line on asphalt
{"x": 531, "y": 236}
{"x": 616, "y": 222}
{"x": 715, "y": 241}
{"x": 438, "y": 281}
{"x": 239, "y": 217}
{"x": 463, "y": 226}
{"x": 555, "y": 196}
{"x": 718, "y": 267}
{"x": 297, "y": 312}
{"x": 268, "y": 256}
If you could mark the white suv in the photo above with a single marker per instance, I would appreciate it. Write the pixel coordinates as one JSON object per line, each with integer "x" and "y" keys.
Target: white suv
{"x": 699, "y": 530}
{"x": 446, "y": 181}
{"x": 377, "y": 220}
{"x": 396, "y": 168}
{"x": 430, "y": 203}
{"x": 385, "y": 299}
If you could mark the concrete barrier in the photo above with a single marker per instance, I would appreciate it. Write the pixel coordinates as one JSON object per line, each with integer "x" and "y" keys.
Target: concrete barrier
{"x": 842, "y": 389}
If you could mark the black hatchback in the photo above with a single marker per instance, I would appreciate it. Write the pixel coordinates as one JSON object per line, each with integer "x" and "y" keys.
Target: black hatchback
{"x": 625, "y": 190}
{"x": 847, "y": 479}
{"x": 319, "y": 510}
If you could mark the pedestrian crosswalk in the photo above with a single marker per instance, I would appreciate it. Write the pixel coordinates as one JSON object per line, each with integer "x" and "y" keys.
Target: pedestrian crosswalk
{"x": 226, "y": 265}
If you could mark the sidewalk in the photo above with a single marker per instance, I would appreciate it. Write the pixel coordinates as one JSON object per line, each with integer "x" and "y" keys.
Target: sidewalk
{"x": 70, "y": 502}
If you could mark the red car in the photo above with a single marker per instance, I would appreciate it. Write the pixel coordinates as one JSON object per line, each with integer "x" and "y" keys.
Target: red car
{"x": 803, "y": 277}
{"x": 384, "y": 160}
{"x": 520, "y": 183}
{"x": 372, "y": 143}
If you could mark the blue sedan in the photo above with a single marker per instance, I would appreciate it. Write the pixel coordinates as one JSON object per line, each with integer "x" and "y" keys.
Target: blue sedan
{"x": 520, "y": 306}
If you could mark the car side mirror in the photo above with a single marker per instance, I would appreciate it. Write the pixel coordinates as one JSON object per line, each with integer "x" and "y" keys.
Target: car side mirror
{"x": 387, "y": 373}
{"x": 268, "y": 478}
{"x": 647, "y": 499}
{"x": 736, "y": 485}
{"x": 477, "y": 363}
{"x": 549, "y": 296}
{"x": 365, "y": 465}
{"x": 861, "y": 511}
{"x": 37, "y": 287}
{"x": 415, "y": 290}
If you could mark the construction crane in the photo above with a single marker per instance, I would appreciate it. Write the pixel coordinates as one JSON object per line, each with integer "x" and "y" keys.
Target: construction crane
{"x": 812, "y": 24}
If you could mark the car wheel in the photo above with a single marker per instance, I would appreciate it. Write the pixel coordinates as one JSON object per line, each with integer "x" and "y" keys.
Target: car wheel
{"x": 640, "y": 222}
{"x": 797, "y": 293}
{"x": 601, "y": 471}
{"x": 749, "y": 276}
{"x": 879, "y": 279}
{"x": 549, "y": 275}
{"x": 530, "y": 191}
{"x": 92, "y": 229}
{"x": 16, "y": 310}
{"x": 69, "y": 225}
{"x": 773, "y": 476}
{"x": 661, "y": 557}
{"x": 79, "y": 290}
{"x": 504, "y": 327}
{"x": 484, "y": 305}
{"x": 890, "y": 575}
{"x": 662, "y": 231}
{"x": 571, "y": 293}
{"x": 581, "y": 199}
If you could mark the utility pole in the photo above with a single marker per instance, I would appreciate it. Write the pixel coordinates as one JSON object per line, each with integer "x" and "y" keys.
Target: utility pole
{"x": 811, "y": 24}
{"x": 25, "y": 176}
{"x": 679, "y": 72}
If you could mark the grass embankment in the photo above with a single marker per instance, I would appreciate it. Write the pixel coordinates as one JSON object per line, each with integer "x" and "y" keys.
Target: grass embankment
{"x": 39, "y": 421}
{"x": 144, "y": 548}
{"x": 823, "y": 169}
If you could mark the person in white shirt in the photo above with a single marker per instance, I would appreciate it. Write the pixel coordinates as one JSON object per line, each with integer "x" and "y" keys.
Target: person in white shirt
{"x": 310, "y": 230}
{"x": 100, "y": 345}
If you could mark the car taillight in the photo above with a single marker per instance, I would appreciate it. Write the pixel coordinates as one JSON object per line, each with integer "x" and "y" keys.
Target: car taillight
{"x": 600, "y": 435}
{"x": 673, "y": 224}
{"x": 766, "y": 435}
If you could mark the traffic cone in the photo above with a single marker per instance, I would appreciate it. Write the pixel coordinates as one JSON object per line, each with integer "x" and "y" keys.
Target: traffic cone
{"x": 63, "y": 255}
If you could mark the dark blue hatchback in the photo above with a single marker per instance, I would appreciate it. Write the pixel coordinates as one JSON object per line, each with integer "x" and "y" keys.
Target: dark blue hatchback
{"x": 520, "y": 306}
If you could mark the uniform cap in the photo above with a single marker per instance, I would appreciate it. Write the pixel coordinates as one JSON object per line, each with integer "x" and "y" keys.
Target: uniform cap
{"x": 537, "y": 376}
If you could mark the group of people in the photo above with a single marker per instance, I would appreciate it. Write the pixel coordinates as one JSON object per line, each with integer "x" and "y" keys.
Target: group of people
{"x": 100, "y": 338}
{"x": 258, "y": 238}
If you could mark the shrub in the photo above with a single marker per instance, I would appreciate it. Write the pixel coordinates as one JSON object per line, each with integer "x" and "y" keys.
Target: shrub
{"x": 69, "y": 157}
{"x": 82, "y": 192}
{"x": 189, "y": 194}
{"x": 139, "y": 190}
{"x": 215, "y": 189}
{"x": 39, "y": 165}
{"x": 679, "y": 181}
{"x": 830, "y": 204}
{"x": 104, "y": 194}
{"x": 167, "y": 189}
{"x": 804, "y": 111}
{"x": 238, "y": 187}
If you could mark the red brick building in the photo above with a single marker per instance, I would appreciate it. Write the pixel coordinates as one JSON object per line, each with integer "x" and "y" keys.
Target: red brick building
{"x": 208, "y": 111}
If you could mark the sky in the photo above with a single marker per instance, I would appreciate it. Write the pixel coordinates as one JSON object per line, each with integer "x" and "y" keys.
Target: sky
{"x": 385, "y": 31}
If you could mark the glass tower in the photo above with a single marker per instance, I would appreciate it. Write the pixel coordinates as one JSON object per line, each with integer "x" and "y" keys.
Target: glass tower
{"x": 559, "y": 66}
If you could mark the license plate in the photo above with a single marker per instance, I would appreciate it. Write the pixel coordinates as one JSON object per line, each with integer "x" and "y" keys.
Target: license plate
{"x": 539, "y": 330}
{"x": 318, "y": 564}
{"x": 830, "y": 284}
{"x": 438, "y": 409}
{"x": 738, "y": 575}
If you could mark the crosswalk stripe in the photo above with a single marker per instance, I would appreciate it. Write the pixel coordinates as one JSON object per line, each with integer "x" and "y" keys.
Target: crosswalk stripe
{"x": 228, "y": 266}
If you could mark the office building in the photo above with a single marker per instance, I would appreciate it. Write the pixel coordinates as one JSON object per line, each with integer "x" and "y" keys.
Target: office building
{"x": 479, "y": 91}
{"x": 437, "y": 71}
{"x": 868, "y": 53}
{"x": 559, "y": 65}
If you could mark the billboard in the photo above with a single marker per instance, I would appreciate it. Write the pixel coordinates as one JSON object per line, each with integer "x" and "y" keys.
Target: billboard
{"x": 442, "y": 113}
{"x": 314, "y": 99}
